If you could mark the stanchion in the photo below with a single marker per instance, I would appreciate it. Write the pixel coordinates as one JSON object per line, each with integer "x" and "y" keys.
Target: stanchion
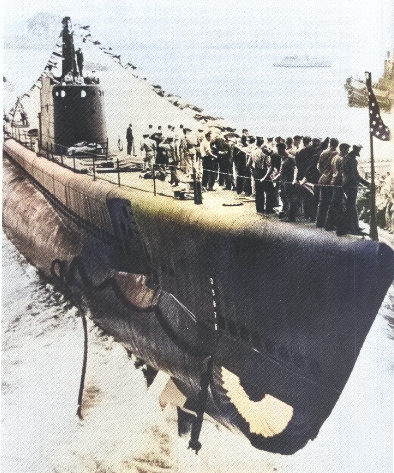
{"x": 154, "y": 178}
{"x": 197, "y": 189}
{"x": 117, "y": 166}
{"x": 373, "y": 226}
{"x": 94, "y": 168}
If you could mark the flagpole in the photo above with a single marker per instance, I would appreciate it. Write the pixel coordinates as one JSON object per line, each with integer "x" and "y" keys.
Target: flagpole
{"x": 373, "y": 228}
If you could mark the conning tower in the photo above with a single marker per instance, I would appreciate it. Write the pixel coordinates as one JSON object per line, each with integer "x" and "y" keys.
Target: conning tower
{"x": 72, "y": 109}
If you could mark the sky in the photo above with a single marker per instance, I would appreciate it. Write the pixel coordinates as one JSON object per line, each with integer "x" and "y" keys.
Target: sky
{"x": 303, "y": 23}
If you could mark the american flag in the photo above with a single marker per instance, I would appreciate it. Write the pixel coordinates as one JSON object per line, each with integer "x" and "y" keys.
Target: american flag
{"x": 376, "y": 126}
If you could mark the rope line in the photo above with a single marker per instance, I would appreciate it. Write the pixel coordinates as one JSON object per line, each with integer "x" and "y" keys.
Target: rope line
{"x": 165, "y": 167}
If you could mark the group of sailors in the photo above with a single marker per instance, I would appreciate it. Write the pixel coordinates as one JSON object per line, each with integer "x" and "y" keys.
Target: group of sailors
{"x": 385, "y": 202}
{"x": 303, "y": 176}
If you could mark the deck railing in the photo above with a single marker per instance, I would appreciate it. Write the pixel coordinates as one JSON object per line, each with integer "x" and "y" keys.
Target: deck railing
{"x": 100, "y": 165}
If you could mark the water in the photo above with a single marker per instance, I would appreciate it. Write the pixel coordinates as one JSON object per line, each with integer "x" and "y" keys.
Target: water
{"x": 42, "y": 347}
{"x": 124, "y": 429}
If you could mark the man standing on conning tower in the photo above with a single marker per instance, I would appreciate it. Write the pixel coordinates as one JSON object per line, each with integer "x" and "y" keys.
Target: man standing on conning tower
{"x": 79, "y": 56}
{"x": 68, "y": 64}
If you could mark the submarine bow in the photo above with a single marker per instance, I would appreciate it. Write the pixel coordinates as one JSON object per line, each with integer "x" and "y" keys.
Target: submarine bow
{"x": 282, "y": 316}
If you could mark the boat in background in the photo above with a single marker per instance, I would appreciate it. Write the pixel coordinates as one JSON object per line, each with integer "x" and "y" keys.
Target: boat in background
{"x": 302, "y": 61}
{"x": 383, "y": 89}
{"x": 358, "y": 94}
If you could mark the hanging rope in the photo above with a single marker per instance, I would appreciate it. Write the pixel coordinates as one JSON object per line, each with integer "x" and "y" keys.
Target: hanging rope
{"x": 58, "y": 271}
{"x": 84, "y": 363}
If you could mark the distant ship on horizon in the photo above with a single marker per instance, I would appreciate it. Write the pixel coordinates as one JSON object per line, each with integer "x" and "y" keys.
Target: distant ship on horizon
{"x": 302, "y": 61}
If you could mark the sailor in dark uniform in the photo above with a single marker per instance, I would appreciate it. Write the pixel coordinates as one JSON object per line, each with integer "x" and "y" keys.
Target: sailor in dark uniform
{"x": 276, "y": 161}
{"x": 221, "y": 148}
{"x": 161, "y": 157}
{"x": 262, "y": 170}
{"x": 303, "y": 159}
{"x": 129, "y": 139}
{"x": 79, "y": 56}
{"x": 24, "y": 119}
{"x": 351, "y": 180}
{"x": 325, "y": 190}
{"x": 297, "y": 143}
{"x": 209, "y": 163}
{"x": 287, "y": 175}
{"x": 243, "y": 181}
{"x": 334, "y": 218}
{"x": 312, "y": 176}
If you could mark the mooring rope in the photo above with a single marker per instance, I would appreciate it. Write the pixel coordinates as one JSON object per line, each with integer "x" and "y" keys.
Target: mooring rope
{"x": 84, "y": 363}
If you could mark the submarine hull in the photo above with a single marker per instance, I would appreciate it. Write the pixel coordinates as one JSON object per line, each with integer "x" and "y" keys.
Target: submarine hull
{"x": 281, "y": 315}
{"x": 33, "y": 225}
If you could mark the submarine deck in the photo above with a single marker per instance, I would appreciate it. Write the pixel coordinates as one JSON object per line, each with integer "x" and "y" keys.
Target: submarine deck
{"x": 220, "y": 203}
{"x": 225, "y": 203}
{"x": 217, "y": 206}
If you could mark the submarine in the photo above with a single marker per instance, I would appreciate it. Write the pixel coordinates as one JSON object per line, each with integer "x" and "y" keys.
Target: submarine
{"x": 256, "y": 324}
